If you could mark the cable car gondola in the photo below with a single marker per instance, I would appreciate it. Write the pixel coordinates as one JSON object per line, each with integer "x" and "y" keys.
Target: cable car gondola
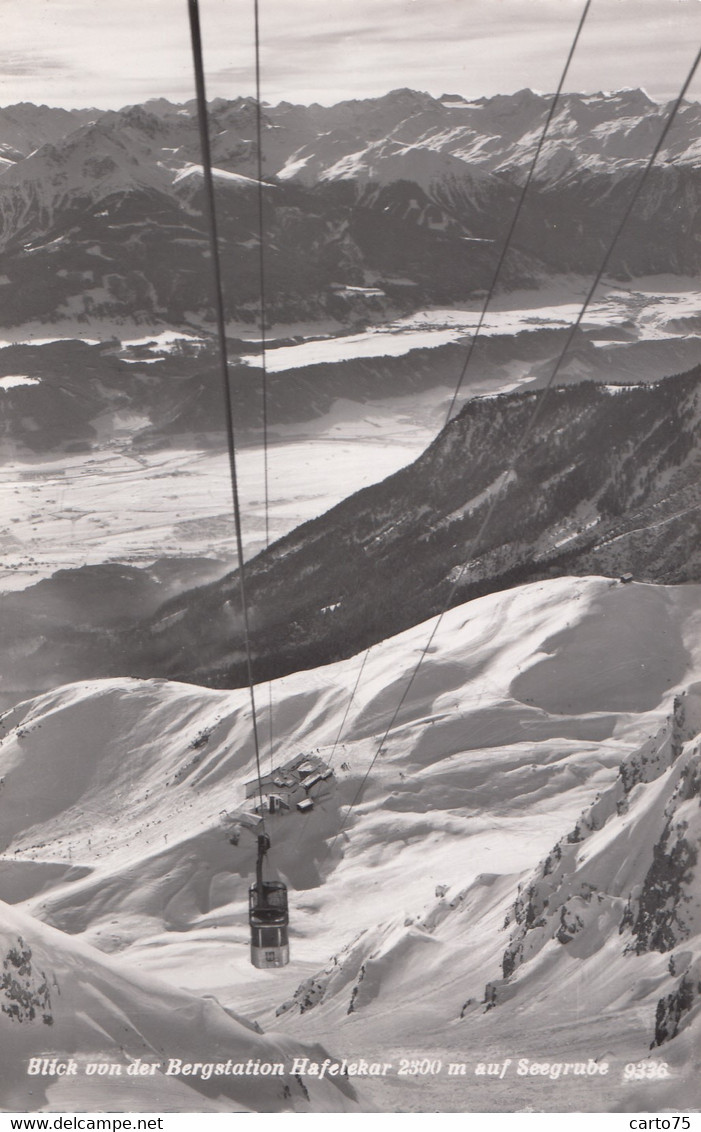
{"x": 267, "y": 916}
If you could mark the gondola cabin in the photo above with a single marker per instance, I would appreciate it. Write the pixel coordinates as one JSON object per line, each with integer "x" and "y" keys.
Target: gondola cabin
{"x": 268, "y": 916}
{"x": 268, "y": 919}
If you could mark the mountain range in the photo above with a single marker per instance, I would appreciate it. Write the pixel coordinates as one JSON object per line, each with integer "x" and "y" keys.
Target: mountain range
{"x": 369, "y": 206}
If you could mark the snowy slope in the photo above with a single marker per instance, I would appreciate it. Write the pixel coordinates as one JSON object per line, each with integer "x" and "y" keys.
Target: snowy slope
{"x": 616, "y": 892}
{"x": 61, "y": 1001}
{"x": 588, "y": 132}
{"x": 119, "y": 798}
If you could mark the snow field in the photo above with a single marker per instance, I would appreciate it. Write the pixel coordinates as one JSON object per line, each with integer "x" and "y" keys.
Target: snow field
{"x": 125, "y": 846}
{"x": 80, "y": 1009}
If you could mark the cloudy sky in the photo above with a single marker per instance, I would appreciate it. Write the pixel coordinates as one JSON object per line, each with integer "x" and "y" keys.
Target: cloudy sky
{"x": 109, "y": 53}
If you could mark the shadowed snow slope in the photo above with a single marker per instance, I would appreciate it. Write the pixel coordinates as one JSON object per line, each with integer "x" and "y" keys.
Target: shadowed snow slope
{"x": 558, "y": 714}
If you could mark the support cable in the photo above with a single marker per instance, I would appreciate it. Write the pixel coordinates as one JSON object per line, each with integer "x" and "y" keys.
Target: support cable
{"x": 541, "y": 397}
{"x": 210, "y": 210}
{"x": 263, "y": 328}
{"x": 348, "y": 707}
{"x": 261, "y": 270}
{"x": 517, "y": 213}
{"x": 505, "y": 249}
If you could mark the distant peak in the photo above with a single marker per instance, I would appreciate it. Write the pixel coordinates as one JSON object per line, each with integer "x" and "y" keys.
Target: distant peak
{"x": 139, "y": 117}
{"x": 406, "y": 94}
{"x": 526, "y": 95}
{"x": 520, "y": 99}
{"x": 634, "y": 96}
{"x": 155, "y": 103}
{"x": 139, "y": 112}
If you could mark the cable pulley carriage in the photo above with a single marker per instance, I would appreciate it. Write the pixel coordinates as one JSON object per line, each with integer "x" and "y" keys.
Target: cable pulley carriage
{"x": 268, "y": 916}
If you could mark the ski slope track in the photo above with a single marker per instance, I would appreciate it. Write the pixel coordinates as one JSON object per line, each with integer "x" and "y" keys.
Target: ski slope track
{"x": 518, "y": 878}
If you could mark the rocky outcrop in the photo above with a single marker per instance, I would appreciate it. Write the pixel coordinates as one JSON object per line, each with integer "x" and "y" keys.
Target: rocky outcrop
{"x": 629, "y": 864}
{"x": 26, "y": 995}
{"x": 342, "y": 975}
{"x": 562, "y": 899}
{"x": 675, "y": 1010}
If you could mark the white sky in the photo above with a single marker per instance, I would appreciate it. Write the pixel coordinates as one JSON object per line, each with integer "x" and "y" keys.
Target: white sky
{"x": 110, "y": 53}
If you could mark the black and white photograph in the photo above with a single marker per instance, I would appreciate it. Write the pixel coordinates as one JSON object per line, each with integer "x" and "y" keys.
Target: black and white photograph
{"x": 350, "y": 557}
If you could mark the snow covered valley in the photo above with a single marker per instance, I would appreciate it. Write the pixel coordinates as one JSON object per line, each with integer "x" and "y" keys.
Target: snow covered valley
{"x": 516, "y": 877}
{"x": 347, "y": 411}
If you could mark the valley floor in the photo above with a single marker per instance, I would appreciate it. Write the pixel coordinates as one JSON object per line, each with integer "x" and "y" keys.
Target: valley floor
{"x": 119, "y": 503}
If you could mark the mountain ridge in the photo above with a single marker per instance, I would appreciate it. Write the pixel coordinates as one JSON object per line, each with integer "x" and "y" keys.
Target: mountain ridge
{"x": 399, "y": 186}
{"x": 607, "y": 482}
{"x": 396, "y": 551}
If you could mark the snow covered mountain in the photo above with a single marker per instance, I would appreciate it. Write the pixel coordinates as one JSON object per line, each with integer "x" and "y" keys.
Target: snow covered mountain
{"x": 405, "y": 195}
{"x": 598, "y": 132}
{"x": 557, "y": 723}
{"x": 511, "y": 871}
{"x": 607, "y": 925}
{"x": 24, "y": 127}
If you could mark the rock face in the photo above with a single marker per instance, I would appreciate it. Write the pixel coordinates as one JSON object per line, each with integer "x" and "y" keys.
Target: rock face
{"x": 560, "y": 901}
{"x": 632, "y": 860}
{"x": 369, "y": 206}
{"x": 26, "y": 993}
{"x": 674, "y": 1010}
{"x": 393, "y": 554}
